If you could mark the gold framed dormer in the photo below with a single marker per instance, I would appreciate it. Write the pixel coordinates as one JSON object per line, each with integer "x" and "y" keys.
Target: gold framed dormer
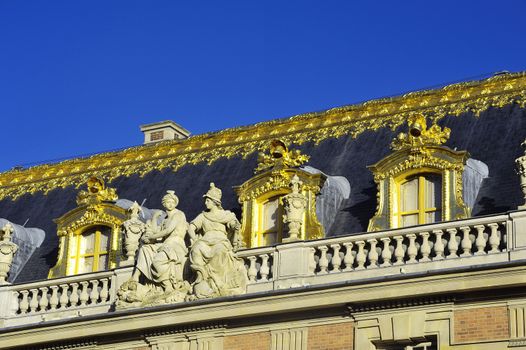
{"x": 89, "y": 235}
{"x": 264, "y": 198}
{"x": 421, "y": 181}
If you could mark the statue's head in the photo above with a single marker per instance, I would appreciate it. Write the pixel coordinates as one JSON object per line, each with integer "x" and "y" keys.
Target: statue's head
{"x": 170, "y": 200}
{"x": 214, "y": 195}
{"x": 134, "y": 210}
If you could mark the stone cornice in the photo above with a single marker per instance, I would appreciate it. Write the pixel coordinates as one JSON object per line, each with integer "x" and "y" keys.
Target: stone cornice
{"x": 352, "y": 120}
{"x": 263, "y": 304}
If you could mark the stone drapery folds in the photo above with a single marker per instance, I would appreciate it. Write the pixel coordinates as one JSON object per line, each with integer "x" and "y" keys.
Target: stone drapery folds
{"x": 167, "y": 269}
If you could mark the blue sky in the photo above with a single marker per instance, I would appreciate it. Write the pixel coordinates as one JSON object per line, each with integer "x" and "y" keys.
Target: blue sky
{"x": 79, "y": 77}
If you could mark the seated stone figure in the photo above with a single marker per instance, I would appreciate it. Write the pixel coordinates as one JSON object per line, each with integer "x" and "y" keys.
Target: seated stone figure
{"x": 219, "y": 272}
{"x": 161, "y": 260}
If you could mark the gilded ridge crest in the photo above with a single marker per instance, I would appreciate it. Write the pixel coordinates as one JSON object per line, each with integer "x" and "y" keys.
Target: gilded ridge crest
{"x": 351, "y": 120}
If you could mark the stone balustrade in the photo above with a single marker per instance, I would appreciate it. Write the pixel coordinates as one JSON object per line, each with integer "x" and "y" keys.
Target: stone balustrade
{"x": 401, "y": 247}
{"x": 341, "y": 259}
{"x": 62, "y": 297}
{"x": 259, "y": 263}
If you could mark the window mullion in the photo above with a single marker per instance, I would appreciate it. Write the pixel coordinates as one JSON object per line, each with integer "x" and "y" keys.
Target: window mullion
{"x": 421, "y": 200}
{"x": 77, "y": 255}
{"x": 96, "y": 251}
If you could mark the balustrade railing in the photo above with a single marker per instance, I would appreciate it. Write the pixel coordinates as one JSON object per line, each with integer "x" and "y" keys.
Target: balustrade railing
{"x": 412, "y": 245}
{"x": 429, "y": 247}
{"x": 62, "y": 294}
{"x": 259, "y": 263}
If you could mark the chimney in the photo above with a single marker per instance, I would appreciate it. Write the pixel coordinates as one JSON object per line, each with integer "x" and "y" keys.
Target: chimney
{"x": 162, "y": 131}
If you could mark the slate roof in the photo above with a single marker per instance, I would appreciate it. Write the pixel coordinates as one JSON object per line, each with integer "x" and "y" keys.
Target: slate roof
{"x": 493, "y": 137}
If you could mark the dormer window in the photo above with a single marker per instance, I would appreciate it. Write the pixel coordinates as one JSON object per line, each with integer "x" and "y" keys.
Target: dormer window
{"x": 89, "y": 235}
{"x": 421, "y": 181}
{"x": 266, "y": 197}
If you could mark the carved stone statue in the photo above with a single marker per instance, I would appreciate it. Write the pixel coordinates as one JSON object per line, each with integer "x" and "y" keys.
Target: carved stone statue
{"x": 133, "y": 230}
{"x": 158, "y": 277}
{"x": 294, "y": 204}
{"x": 219, "y": 271}
{"x": 521, "y": 170}
{"x": 7, "y": 252}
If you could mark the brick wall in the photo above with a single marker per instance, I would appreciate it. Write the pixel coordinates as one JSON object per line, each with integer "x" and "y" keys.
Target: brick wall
{"x": 488, "y": 323}
{"x": 337, "y": 336}
{"x": 252, "y": 341}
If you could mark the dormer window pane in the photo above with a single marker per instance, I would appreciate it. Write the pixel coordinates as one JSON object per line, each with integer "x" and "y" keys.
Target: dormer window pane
{"x": 270, "y": 211}
{"x": 410, "y": 195}
{"x": 420, "y": 200}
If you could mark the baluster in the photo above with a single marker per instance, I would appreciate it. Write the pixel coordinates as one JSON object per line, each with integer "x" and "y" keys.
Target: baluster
{"x": 312, "y": 260}
{"x": 24, "y": 304}
{"x": 399, "y": 251}
{"x": 264, "y": 269}
{"x": 439, "y": 245}
{"x": 466, "y": 241}
{"x": 324, "y": 262}
{"x": 33, "y": 304}
{"x": 44, "y": 299}
{"x": 84, "y": 296}
{"x": 348, "y": 259}
{"x": 386, "y": 252}
{"x": 452, "y": 244}
{"x": 53, "y": 301}
{"x": 94, "y": 296}
{"x": 252, "y": 271}
{"x": 480, "y": 241}
{"x": 336, "y": 261}
{"x": 74, "y": 297}
{"x": 64, "y": 297}
{"x": 494, "y": 239}
{"x": 14, "y": 306}
{"x": 411, "y": 249}
{"x": 104, "y": 290}
{"x": 373, "y": 254}
{"x": 425, "y": 249}
{"x": 360, "y": 256}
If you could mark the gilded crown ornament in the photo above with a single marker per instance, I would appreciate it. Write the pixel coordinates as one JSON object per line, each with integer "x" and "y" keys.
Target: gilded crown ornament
{"x": 97, "y": 192}
{"x": 280, "y": 157}
{"x": 419, "y": 135}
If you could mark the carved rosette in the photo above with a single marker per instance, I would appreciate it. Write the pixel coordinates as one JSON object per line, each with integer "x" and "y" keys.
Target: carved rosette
{"x": 420, "y": 150}
{"x": 274, "y": 173}
{"x": 7, "y": 253}
{"x": 521, "y": 170}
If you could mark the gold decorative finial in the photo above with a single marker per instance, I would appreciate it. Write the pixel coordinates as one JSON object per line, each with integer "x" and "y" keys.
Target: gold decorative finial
{"x": 96, "y": 192}
{"x": 419, "y": 135}
{"x": 279, "y": 157}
